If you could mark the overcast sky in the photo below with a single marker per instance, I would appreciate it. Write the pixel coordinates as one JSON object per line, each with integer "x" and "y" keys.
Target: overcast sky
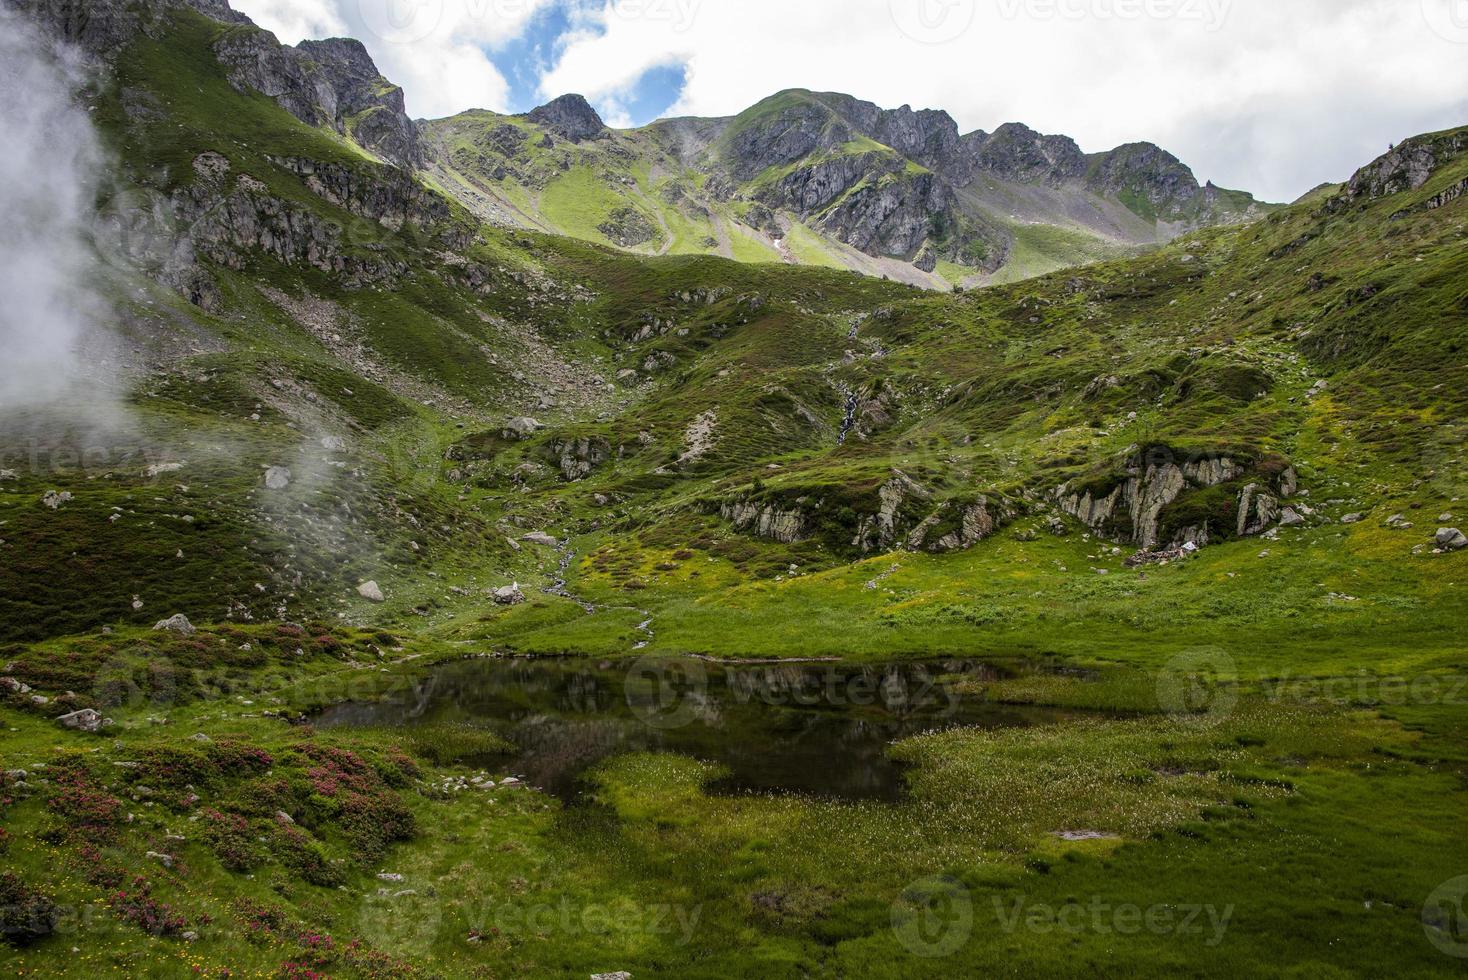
{"x": 1272, "y": 96}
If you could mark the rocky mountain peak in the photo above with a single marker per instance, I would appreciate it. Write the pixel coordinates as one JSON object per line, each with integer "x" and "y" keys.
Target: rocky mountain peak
{"x": 1016, "y": 152}
{"x": 1146, "y": 169}
{"x": 1406, "y": 166}
{"x": 569, "y": 116}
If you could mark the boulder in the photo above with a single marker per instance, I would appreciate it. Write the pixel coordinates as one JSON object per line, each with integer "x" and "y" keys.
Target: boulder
{"x": 85, "y": 720}
{"x": 277, "y": 478}
{"x": 1353, "y": 519}
{"x": 179, "y": 624}
{"x": 540, "y": 537}
{"x": 522, "y": 427}
{"x": 371, "y": 591}
{"x": 1289, "y": 517}
{"x": 510, "y": 595}
{"x": 56, "y": 498}
{"x": 1451, "y": 539}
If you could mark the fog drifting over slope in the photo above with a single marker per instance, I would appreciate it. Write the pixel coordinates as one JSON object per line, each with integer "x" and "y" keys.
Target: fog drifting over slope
{"x": 50, "y": 162}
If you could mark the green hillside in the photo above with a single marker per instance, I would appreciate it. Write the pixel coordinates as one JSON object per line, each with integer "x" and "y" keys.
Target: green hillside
{"x": 1215, "y": 465}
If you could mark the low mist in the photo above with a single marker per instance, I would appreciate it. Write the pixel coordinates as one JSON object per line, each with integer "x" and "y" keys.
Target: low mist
{"x": 51, "y": 339}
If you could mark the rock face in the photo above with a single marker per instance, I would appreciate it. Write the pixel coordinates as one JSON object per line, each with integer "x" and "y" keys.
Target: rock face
{"x": 1130, "y": 508}
{"x": 765, "y": 520}
{"x": 577, "y": 456}
{"x": 570, "y": 117}
{"x": 1406, "y": 167}
{"x": 628, "y": 227}
{"x": 330, "y": 83}
{"x": 323, "y": 83}
{"x": 903, "y": 515}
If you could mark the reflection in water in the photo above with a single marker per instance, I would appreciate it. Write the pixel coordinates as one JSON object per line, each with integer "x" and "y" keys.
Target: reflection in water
{"x": 814, "y": 728}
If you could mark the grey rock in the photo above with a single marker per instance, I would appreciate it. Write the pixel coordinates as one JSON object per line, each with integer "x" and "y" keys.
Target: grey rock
{"x": 540, "y": 538}
{"x": 56, "y": 499}
{"x": 1289, "y": 517}
{"x": 85, "y": 720}
{"x": 178, "y": 623}
{"x": 371, "y": 591}
{"x": 277, "y": 478}
{"x": 520, "y": 428}
{"x": 1451, "y": 539}
{"x": 509, "y": 595}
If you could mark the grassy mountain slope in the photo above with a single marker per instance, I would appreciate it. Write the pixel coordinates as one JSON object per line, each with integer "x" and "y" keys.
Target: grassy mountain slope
{"x": 804, "y": 178}
{"x": 740, "y": 459}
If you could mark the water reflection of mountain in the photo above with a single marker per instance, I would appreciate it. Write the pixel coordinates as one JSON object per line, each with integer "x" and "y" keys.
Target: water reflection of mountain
{"x": 813, "y": 728}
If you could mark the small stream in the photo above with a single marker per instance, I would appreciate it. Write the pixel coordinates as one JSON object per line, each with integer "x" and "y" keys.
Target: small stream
{"x": 848, "y": 422}
{"x": 814, "y": 728}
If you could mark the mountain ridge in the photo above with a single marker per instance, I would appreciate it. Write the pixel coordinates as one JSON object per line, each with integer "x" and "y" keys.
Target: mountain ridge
{"x": 801, "y": 177}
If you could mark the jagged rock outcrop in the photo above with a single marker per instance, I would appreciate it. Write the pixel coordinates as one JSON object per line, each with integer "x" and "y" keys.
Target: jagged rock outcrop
{"x": 224, "y": 224}
{"x": 1257, "y": 510}
{"x": 1017, "y": 153}
{"x": 330, "y": 83}
{"x": 880, "y": 530}
{"x": 392, "y": 198}
{"x": 976, "y": 522}
{"x": 891, "y": 215}
{"x": 368, "y": 106}
{"x": 1146, "y": 172}
{"x": 765, "y": 520}
{"x": 906, "y": 516}
{"x": 100, "y": 27}
{"x": 577, "y": 456}
{"x": 570, "y": 117}
{"x": 628, "y": 227}
{"x": 1130, "y": 509}
{"x": 1408, "y": 166}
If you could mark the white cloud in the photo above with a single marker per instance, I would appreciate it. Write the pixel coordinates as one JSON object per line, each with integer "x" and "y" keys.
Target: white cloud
{"x": 435, "y": 49}
{"x": 1270, "y": 96}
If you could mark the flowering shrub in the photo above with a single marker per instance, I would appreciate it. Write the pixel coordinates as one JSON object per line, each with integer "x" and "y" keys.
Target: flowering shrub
{"x": 26, "y": 916}
{"x": 136, "y": 907}
{"x": 300, "y": 853}
{"x": 348, "y": 791}
{"x": 229, "y": 836}
{"x": 86, "y": 812}
{"x": 261, "y": 922}
{"x": 298, "y": 971}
